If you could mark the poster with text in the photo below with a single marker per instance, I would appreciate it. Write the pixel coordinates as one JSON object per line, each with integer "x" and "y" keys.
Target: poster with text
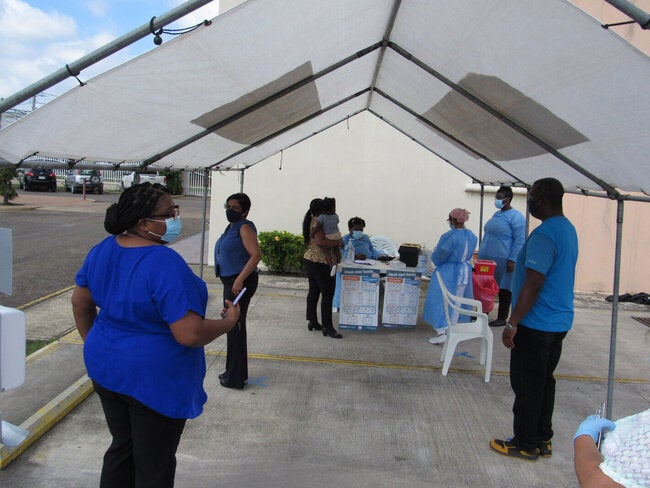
{"x": 359, "y": 299}
{"x": 401, "y": 299}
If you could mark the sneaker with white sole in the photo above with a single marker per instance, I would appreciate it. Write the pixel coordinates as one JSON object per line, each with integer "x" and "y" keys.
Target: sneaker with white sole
{"x": 439, "y": 339}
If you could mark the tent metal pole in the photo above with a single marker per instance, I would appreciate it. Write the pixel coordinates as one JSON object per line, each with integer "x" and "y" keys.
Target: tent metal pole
{"x": 505, "y": 119}
{"x": 614, "y": 327}
{"x": 382, "y": 51}
{"x": 264, "y": 139}
{"x": 74, "y": 68}
{"x": 480, "y": 215}
{"x": 445, "y": 133}
{"x": 632, "y": 11}
{"x": 241, "y": 180}
{"x": 206, "y": 178}
{"x": 277, "y": 95}
{"x": 527, "y": 214}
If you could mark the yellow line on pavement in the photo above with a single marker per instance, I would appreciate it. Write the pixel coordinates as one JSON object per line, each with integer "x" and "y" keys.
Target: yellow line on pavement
{"x": 46, "y": 297}
{"x": 47, "y": 417}
{"x": 414, "y": 367}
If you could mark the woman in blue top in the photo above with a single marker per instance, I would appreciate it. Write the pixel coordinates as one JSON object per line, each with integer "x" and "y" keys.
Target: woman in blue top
{"x": 505, "y": 234}
{"x": 363, "y": 248}
{"x": 236, "y": 255}
{"x": 143, "y": 348}
{"x": 451, "y": 258}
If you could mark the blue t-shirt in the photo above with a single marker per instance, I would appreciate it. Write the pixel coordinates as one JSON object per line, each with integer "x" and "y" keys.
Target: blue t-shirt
{"x": 552, "y": 250}
{"x": 230, "y": 255}
{"x": 130, "y": 348}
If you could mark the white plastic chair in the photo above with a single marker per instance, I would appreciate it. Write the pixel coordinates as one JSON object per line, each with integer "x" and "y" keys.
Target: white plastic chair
{"x": 384, "y": 243}
{"x": 464, "y": 331}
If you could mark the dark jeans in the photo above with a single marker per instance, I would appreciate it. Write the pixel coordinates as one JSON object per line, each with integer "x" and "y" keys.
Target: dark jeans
{"x": 236, "y": 372}
{"x": 532, "y": 363}
{"x": 320, "y": 283}
{"x": 143, "y": 451}
{"x": 505, "y": 298}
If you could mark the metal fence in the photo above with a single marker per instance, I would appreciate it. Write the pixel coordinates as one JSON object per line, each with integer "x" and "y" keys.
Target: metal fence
{"x": 192, "y": 180}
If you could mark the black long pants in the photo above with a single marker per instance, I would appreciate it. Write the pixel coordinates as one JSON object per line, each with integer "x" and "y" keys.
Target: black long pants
{"x": 236, "y": 372}
{"x": 320, "y": 284}
{"x": 143, "y": 451}
{"x": 532, "y": 363}
{"x": 505, "y": 298}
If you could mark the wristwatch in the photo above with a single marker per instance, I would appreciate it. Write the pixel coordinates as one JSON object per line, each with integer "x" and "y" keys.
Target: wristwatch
{"x": 510, "y": 326}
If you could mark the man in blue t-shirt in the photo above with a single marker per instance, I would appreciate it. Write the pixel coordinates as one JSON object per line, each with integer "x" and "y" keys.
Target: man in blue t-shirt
{"x": 542, "y": 294}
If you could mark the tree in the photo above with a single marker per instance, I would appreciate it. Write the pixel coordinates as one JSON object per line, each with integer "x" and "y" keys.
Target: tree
{"x": 6, "y": 190}
{"x": 174, "y": 182}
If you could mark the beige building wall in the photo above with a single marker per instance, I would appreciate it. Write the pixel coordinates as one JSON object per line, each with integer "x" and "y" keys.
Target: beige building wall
{"x": 405, "y": 192}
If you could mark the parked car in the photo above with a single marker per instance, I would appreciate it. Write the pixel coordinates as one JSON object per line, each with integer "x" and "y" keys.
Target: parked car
{"x": 74, "y": 180}
{"x": 41, "y": 178}
{"x": 137, "y": 177}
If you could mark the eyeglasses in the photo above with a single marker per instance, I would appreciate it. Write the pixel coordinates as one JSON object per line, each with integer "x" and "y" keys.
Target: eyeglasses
{"x": 174, "y": 214}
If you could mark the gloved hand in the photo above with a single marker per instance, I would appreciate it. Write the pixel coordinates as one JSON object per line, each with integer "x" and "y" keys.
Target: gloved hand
{"x": 592, "y": 426}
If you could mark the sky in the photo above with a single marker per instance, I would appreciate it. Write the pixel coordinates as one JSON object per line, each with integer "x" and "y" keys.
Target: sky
{"x": 40, "y": 37}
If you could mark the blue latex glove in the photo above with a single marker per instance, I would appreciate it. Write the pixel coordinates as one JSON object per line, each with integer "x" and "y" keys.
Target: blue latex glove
{"x": 592, "y": 426}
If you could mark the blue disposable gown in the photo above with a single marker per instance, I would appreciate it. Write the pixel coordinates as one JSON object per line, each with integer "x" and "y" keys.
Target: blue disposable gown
{"x": 452, "y": 260}
{"x": 362, "y": 246}
{"x": 505, "y": 234}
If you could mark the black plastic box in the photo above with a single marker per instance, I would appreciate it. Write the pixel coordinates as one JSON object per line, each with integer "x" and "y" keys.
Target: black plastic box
{"x": 408, "y": 254}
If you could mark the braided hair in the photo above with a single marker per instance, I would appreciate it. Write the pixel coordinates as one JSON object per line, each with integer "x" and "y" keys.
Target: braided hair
{"x": 315, "y": 209}
{"x": 137, "y": 202}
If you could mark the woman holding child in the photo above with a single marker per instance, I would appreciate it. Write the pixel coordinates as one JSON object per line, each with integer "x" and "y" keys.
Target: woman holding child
{"x": 318, "y": 266}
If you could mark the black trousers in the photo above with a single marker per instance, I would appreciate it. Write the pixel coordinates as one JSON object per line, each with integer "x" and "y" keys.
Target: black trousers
{"x": 320, "y": 284}
{"x": 505, "y": 298}
{"x": 236, "y": 372}
{"x": 532, "y": 363}
{"x": 143, "y": 451}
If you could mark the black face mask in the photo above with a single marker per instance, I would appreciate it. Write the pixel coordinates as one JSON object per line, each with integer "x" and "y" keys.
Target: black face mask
{"x": 233, "y": 215}
{"x": 533, "y": 208}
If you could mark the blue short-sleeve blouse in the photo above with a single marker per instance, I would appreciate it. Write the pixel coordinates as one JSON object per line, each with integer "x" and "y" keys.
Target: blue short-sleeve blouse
{"x": 130, "y": 348}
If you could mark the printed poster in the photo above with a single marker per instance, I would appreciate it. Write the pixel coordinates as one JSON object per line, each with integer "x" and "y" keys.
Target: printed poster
{"x": 401, "y": 299}
{"x": 359, "y": 299}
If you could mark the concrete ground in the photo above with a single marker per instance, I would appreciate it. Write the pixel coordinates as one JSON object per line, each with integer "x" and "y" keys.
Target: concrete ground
{"x": 371, "y": 409}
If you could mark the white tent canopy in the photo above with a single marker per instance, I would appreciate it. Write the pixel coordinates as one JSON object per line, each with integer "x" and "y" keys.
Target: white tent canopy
{"x": 505, "y": 91}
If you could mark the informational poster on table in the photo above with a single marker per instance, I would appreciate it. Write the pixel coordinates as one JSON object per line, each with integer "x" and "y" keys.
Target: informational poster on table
{"x": 359, "y": 299}
{"x": 401, "y": 299}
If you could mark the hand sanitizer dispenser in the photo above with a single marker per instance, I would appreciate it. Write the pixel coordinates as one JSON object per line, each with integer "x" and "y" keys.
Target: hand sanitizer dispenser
{"x": 12, "y": 348}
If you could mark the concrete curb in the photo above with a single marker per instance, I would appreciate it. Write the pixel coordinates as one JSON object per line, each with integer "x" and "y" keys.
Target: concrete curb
{"x": 51, "y": 413}
{"x": 47, "y": 417}
{"x": 17, "y": 207}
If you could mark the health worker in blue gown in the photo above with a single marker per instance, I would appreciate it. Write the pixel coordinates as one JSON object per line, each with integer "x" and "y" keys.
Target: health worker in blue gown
{"x": 505, "y": 234}
{"x": 451, "y": 258}
{"x": 363, "y": 248}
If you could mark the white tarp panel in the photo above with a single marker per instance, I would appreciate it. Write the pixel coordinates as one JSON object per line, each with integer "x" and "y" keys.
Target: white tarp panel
{"x": 505, "y": 90}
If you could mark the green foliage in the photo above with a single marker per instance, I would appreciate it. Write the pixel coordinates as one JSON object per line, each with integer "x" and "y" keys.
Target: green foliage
{"x": 174, "y": 181}
{"x": 282, "y": 251}
{"x": 6, "y": 190}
